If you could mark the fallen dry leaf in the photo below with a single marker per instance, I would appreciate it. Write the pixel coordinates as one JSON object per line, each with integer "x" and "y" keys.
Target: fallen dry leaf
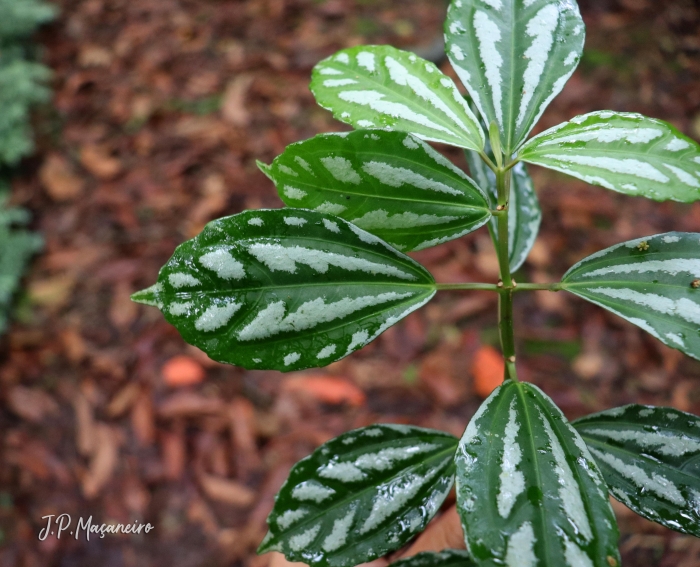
{"x": 103, "y": 462}
{"x": 59, "y": 179}
{"x": 326, "y": 389}
{"x": 233, "y": 108}
{"x": 226, "y": 491}
{"x": 190, "y": 404}
{"x": 143, "y": 420}
{"x": 174, "y": 453}
{"x": 182, "y": 371}
{"x": 85, "y": 431}
{"x": 487, "y": 369}
{"x": 99, "y": 161}
{"x": 31, "y": 404}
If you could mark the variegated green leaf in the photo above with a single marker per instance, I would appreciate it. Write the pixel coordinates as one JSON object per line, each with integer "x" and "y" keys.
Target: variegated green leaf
{"x": 361, "y": 495}
{"x": 378, "y": 86}
{"x": 524, "y": 216}
{"x": 514, "y": 57}
{"x": 650, "y": 458}
{"x": 528, "y": 491}
{"x": 446, "y": 558}
{"x": 652, "y": 282}
{"x": 628, "y": 153}
{"x": 286, "y": 289}
{"x": 388, "y": 183}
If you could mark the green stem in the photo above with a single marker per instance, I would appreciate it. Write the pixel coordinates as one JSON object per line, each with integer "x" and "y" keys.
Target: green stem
{"x": 468, "y": 286}
{"x": 538, "y": 287}
{"x": 505, "y": 298}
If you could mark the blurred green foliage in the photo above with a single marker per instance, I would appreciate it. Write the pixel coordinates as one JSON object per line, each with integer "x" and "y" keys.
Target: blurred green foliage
{"x": 22, "y": 81}
{"x": 22, "y": 85}
{"x": 17, "y": 246}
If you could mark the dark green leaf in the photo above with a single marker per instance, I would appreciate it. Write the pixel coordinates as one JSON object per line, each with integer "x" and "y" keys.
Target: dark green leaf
{"x": 514, "y": 57}
{"x": 361, "y": 495}
{"x": 650, "y": 458}
{"x": 528, "y": 491}
{"x": 446, "y": 558}
{"x": 652, "y": 282}
{"x": 628, "y": 153}
{"x": 388, "y": 183}
{"x": 286, "y": 289}
{"x": 378, "y": 86}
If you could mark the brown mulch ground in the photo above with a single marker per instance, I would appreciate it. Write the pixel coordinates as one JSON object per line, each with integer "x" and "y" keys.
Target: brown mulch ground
{"x": 161, "y": 108}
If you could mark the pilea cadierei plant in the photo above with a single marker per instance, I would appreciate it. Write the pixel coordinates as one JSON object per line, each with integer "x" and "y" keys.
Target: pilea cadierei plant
{"x": 307, "y": 285}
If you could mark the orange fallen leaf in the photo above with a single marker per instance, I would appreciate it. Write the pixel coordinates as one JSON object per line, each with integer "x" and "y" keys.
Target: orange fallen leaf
{"x": 98, "y": 161}
{"x": 59, "y": 179}
{"x": 182, "y": 371}
{"x": 487, "y": 369}
{"x": 327, "y": 389}
{"x": 227, "y": 491}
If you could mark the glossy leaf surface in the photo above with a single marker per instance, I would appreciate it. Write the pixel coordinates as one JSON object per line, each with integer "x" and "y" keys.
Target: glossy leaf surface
{"x": 650, "y": 282}
{"x": 628, "y": 153}
{"x": 525, "y": 215}
{"x": 379, "y": 86}
{"x": 514, "y": 57}
{"x": 361, "y": 495}
{"x": 650, "y": 458}
{"x": 528, "y": 491}
{"x": 446, "y": 558}
{"x": 286, "y": 289}
{"x": 389, "y": 183}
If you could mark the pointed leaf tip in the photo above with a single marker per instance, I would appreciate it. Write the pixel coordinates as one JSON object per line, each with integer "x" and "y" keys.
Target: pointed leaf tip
{"x": 266, "y": 169}
{"x": 149, "y": 296}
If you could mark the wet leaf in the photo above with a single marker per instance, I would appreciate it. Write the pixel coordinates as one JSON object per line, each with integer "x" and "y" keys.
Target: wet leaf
{"x": 388, "y": 183}
{"x": 628, "y": 153}
{"x": 379, "y": 86}
{"x": 361, "y": 495}
{"x": 528, "y": 491}
{"x": 650, "y": 458}
{"x": 514, "y": 57}
{"x": 653, "y": 282}
{"x": 286, "y": 289}
{"x": 446, "y": 558}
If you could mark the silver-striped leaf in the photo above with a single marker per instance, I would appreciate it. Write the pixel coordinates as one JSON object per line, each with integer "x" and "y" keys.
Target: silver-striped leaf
{"x": 389, "y": 183}
{"x": 652, "y": 282}
{"x": 650, "y": 458}
{"x": 625, "y": 152}
{"x": 379, "y": 86}
{"x": 524, "y": 215}
{"x": 286, "y": 289}
{"x": 528, "y": 491}
{"x": 445, "y": 558}
{"x": 361, "y": 495}
{"x": 514, "y": 57}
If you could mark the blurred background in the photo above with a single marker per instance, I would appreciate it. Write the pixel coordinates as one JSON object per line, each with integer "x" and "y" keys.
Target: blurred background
{"x": 147, "y": 119}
